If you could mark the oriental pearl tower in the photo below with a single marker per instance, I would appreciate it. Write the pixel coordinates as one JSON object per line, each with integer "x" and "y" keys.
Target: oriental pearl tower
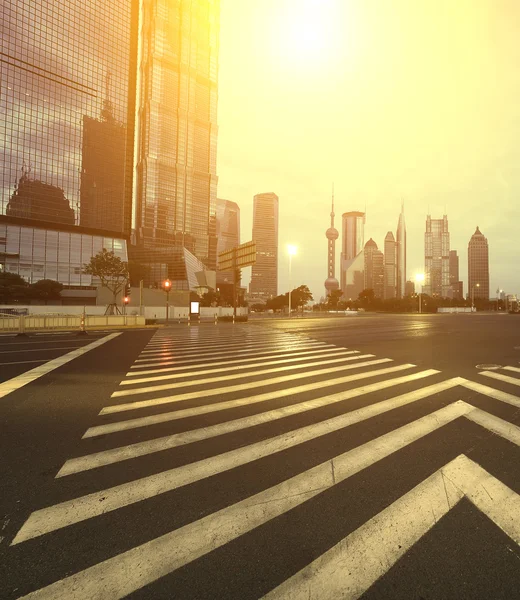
{"x": 331, "y": 283}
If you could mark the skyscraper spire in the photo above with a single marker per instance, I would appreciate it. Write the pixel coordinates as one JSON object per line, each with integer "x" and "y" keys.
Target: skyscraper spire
{"x": 331, "y": 283}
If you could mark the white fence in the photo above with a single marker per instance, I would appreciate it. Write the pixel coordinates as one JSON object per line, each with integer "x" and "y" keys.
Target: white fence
{"x": 55, "y": 322}
{"x": 456, "y": 309}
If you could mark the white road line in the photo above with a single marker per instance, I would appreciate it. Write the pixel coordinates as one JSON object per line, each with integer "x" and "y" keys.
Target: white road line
{"x": 299, "y": 353}
{"x": 502, "y": 428}
{"x": 205, "y": 380}
{"x": 234, "y": 388}
{"x": 17, "y": 382}
{"x": 99, "y": 459}
{"x": 370, "y": 551}
{"x": 248, "y": 400}
{"x": 86, "y": 507}
{"x": 242, "y": 350}
{"x": 125, "y": 573}
{"x": 182, "y": 345}
{"x": 40, "y": 349}
{"x": 25, "y": 362}
{"x": 322, "y": 357}
{"x": 500, "y": 377}
{"x": 515, "y": 369}
{"x": 492, "y": 392}
{"x": 273, "y": 350}
{"x": 223, "y": 344}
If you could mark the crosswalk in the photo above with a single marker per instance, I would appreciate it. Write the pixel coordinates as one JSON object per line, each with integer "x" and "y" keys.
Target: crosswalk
{"x": 238, "y": 398}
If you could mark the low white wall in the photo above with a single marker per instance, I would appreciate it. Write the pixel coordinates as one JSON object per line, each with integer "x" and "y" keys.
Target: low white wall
{"x": 455, "y": 309}
{"x": 47, "y": 322}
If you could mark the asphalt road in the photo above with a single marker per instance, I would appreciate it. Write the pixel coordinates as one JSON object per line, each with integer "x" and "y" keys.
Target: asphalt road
{"x": 332, "y": 458}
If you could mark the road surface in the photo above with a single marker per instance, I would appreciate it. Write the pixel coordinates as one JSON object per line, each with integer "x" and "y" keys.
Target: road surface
{"x": 364, "y": 457}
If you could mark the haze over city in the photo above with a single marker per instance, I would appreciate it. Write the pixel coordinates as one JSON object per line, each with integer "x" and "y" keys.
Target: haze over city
{"x": 401, "y": 100}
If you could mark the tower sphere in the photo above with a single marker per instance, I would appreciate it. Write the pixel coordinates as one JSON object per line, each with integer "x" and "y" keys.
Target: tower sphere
{"x": 331, "y": 284}
{"x": 332, "y": 233}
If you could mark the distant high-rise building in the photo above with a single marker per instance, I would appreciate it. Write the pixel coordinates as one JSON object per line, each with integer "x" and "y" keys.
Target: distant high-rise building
{"x": 374, "y": 269}
{"x": 331, "y": 283}
{"x": 228, "y": 233}
{"x": 264, "y": 275}
{"x": 409, "y": 288}
{"x": 352, "y": 259}
{"x": 456, "y": 286}
{"x": 177, "y": 126}
{"x": 400, "y": 250}
{"x": 437, "y": 257}
{"x": 390, "y": 279}
{"x": 478, "y": 266}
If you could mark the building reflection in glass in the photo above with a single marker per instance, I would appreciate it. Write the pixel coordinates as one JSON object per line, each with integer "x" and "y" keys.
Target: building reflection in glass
{"x": 55, "y": 58}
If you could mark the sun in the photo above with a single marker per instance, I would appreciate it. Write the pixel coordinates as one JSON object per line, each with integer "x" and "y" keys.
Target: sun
{"x": 306, "y": 31}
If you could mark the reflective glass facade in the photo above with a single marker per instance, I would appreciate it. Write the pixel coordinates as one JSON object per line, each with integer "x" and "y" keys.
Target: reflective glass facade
{"x": 478, "y": 266}
{"x": 228, "y": 232}
{"x": 176, "y": 188}
{"x": 36, "y": 253}
{"x": 66, "y": 115}
{"x": 437, "y": 257}
{"x": 264, "y": 274}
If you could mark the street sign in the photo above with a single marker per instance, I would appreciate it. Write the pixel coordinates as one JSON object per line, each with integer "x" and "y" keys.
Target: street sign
{"x": 238, "y": 257}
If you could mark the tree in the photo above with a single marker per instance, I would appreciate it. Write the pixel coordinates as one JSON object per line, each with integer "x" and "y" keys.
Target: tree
{"x": 13, "y": 288}
{"x": 301, "y": 296}
{"x": 111, "y": 271}
{"x": 210, "y": 298}
{"x": 46, "y": 289}
{"x": 333, "y": 299}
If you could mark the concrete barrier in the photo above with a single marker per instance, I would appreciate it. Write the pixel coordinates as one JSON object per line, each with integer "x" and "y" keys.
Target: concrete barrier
{"x": 50, "y": 322}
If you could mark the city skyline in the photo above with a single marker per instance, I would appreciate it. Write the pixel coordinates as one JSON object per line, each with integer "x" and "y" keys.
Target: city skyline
{"x": 375, "y": 136}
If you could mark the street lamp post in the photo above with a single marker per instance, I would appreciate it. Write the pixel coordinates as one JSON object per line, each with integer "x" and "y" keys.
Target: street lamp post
{"x": 167, "y": 286}
{"x": 291, "y": 250}
{"x": 473, "y": 295}
{"x": 419, "y": 278}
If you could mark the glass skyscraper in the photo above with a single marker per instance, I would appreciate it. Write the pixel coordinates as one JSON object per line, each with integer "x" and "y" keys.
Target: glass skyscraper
{"x": 478, "y": 266}
{"x": 437, "y": 257}
{"x": 352, "y": 277}
{"x": 264, "y": 274}
{"x": 228, "y": 232}
{"x": 176, "y": 189}
{"x": 67, "y": 117}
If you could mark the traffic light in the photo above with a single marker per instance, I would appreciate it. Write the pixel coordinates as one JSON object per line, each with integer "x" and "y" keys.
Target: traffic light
{"x": 128, "y": 290}
{"x": 126, "y": 299}
{"x": 167, "y": 285}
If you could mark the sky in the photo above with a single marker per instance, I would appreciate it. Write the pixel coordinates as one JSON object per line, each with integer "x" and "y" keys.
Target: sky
{"x": 392, "y": 100}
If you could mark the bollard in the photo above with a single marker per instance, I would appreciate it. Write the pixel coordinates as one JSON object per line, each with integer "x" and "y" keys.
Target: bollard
{"x": 216, "y": 318}
{"x": 233, "y": 318}
{"x": 189, "y": 320}
{"x": 82, "y": 328}
{"x": 21, "y": 323}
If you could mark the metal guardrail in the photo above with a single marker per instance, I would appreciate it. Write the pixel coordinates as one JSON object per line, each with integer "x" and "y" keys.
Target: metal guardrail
{"x": 55, "y": 322}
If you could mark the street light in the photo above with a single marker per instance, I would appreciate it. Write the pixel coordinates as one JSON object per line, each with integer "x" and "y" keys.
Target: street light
{"x": 291, "y": 250}
{"x": 167, "y": 286}
{"x": 473, "y": 295}
{"x": 419, "y": 279}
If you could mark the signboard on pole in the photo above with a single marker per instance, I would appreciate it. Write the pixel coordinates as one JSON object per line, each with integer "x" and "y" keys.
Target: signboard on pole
{"x": 238, "y": 257}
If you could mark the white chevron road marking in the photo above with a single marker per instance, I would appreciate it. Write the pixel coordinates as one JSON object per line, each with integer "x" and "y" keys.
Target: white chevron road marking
{"x": 218, "y": 406}
{"x": 99, "y": 459}
{"x": 227, "y": 368}
{"x": 180, "y": 358}
{"x": 370, "y": 551}
{"x": 492, "y": 392}
{"x": 228, "y": 349}
{"x": 127, "y": 572}
{"x": 500, "y": 377}
{"x": 218, "y": 379}
{"x": 300, "y": 353}
{"x": 237, "y": 388}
